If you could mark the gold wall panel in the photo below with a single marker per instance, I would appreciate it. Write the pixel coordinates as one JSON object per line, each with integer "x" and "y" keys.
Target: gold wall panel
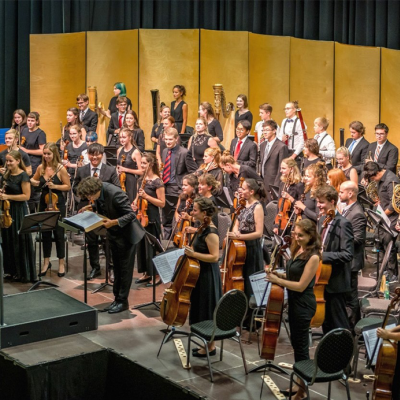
{"x": 390, "y": 89}
{"x": 112, "y": 57}
{"x": 167, "y": 58}
{"x": 268, "y": 73}
{"x": 57, "y": 65}
{"x": 311, "y": 80}
{"x": 224, "y": 58}
{"x": 357, "y": 87}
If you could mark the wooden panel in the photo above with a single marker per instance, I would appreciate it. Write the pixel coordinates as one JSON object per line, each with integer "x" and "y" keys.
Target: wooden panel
{"x": 268, "y": 73}
{"x": 167, "y": 58}
{"x": 390, "y": 89}
{"x": 357, "y": 87}
{"x": 57, "y": 65}
{"x": 311, "y": 80}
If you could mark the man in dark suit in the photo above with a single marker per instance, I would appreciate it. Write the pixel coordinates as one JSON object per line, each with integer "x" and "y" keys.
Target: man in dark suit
{"x": 176, "y": 166}
{"x": 354, "y": 212}
{"x": 272, "y": 152}
{"x": 357, "y": 145}
{"x": 338, "y": 251}
{"x": 87, "y": 117}
{"x": 382, "y": 151}
{"x": 243, "y": 149}
{"x": 123, "y": 231}
{"x": 107, "y": 174}
{"x": 116, "y": 122}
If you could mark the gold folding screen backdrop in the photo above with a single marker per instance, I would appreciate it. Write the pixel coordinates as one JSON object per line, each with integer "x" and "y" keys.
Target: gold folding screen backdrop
{"x": 342, "y": 82}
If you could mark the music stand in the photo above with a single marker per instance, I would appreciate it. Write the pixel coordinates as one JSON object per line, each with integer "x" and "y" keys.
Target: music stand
{"x": 224, "y": 199}
{"x": 155, "y": 243}
{"x": 39, "y": 222}
{"x": 103, "y": 232}
{"x": 274, "y": 190}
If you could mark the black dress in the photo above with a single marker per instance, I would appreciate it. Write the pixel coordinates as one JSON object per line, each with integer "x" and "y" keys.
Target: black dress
{"x": 347, "y": 172}
{"x": 215, "y": 129}
{"x": 33, "y": 141}
{"x": 156, "y": 132}
{"x": 197, "y": 148}
{"x": 308, "y": 162}
{"x": 244, "y": 172}
{"x": 18, "y": 255}
{"x": 302, "y": 307}
{"x": 25, "y": 157}
{"x": 113, "y": 104}
{"x": 311, "y": 211}
{"x": 177, "y": 113}
{"x": 145, "y": 252}
{"x": 74, "y": 154}
{"x": 131, "y": 179}
{"x": 245, "y": 116}
{"x": 208, "y": 290}
{"x": 254, "y": 257}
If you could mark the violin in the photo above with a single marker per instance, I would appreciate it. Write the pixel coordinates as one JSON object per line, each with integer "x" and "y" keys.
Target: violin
{"x": 234, "y": 257}
{"x": 180, "y": 238}
{"x": 236, "y": 198}
{"x": 143, "y": 204}
{"x": 122, "y": 175}
{"x": 65, "y": 156}
{"x": 5, "y": 217}
{"x": 175, "y": 303}
{"x": 299, "y": 216}
{"x": 22, "y": 141}
{"x": 284, "y": 207}
{"x": 51, "y": 199}
{"x": 321, "y": 280}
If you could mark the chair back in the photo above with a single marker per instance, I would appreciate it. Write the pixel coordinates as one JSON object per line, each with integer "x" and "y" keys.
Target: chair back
{"x": 269, "y": 218}
{"x": 230, "y": 310}
{"x": 334, "y": 351}
{"x": 382, "y": 268}
{"x": 224, "y": 223}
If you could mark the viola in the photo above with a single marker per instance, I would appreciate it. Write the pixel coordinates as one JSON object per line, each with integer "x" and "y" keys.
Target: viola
{"x": 299, "y": 216}
{"x": 284, "y": 206}
{"x": 174, "y": 307}
{"x": 236, "y": 199}
{"x": 180, "y": 237}
{"x": 5, "y": 217}
{"x": 386, "y": 362}
{"x": 235, "y": 252}
{"x": 51, "y": 199}
{"x": 122, "y": 175}
{"x": 322, "y": 277}
{"x": 143, "y": 205}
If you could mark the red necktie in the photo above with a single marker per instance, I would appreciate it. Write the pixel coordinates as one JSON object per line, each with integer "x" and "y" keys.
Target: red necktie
{"x": 120, "y": 121}
{"x": 167, "y": 168}
{"x": 237, "y": 150}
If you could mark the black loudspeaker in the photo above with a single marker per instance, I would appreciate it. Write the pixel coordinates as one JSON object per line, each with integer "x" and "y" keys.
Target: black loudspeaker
{"x": 43, "y": 314}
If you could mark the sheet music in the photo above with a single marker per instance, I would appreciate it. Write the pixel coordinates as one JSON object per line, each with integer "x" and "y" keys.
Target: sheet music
{"x": 258, "y": 284}
{"x": 370, "y": 338}
{"x": 381, "y": 213}
{"x": 227, "y": 195}
{"x": 165, "y": 264}
{"x": 86, "y": 220}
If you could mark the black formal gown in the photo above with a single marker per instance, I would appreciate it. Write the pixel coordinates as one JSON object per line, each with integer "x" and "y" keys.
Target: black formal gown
{"x": 245, "y": 116}
{"x": 18, "y": 255}
{"x": 308, "y": 162}
{"x": 215, "y": 129}
{"x": 177, "y": 113}
{"x": 145, "y": 252}
{"x": 131, "y": 179}
{"x": 208, "y": 289}
{"x": 302, "y": 307}
{"x": 73, "y": 155}
{"x": 198, "y": 147}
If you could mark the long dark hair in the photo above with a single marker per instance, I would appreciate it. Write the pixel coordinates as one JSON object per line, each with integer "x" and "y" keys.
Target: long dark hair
{"x": 314, "y": 245}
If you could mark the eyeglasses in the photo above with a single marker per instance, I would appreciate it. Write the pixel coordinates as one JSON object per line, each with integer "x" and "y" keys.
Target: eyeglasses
{"x": 268, "y": 130}
{"x": 380, "y": 133}
{"x": 240, "y": 129}
{"x": 80, "y": 102}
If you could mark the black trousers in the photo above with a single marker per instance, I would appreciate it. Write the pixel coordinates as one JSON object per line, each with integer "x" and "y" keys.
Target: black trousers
{"x": 335, "y": 312}
{"x": 352, "y": 303}
{"x": 386, "y": 238}
{"x": 92, "y": 240}
{"x": 172, "y": 195}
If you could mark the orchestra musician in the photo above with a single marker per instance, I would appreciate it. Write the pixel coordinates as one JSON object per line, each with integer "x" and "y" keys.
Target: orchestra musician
{"x": 214, "y": 127}
{"x": 124, "y": 232}
{"x": 385, "y": 180}
{"x": 325, "y": 141}
{"x": 131, "y": 165}
{"x": 265, "y": 111}
{"x": 212, "y": 160}
{"x": 18, "y": 121}
{"x": 74, "y": 149}
{"x": 382, "y": 151}
{"x": 72, "y": 119}
{"x": 116, "y": 122}
{"x": 11, "y": 139}
{"x": 343, "y": 160}
{"x": 354, "y": 212}
{"x": 207, "y": 292}
{"x": 52, "y": 175}
{"x": 154, "y": 193}
{"x": 299, "y": 279}
{"x": 91, "y": 137}
{"x": 243, "y": 149}
{"x": 17, "y": 248}
{"x": 168, "y": 122}
{"x": 357, "y": 145}
{"x": 179, "y": 108}
{"x": 338, "y": 251}
{"x": 89, "y": 118}
{"x": 272, "y": 153}
{"x": 208, "y": 186}
{"x": 119, "y": 90}
{"x": 132, "y": 123}
{"x": 311, "y": 154}
{"x": 249, "y": 227}
{"x": 243, "y": 113}
{"x": 335, "y": 178}
{"x": 158, "y": 127}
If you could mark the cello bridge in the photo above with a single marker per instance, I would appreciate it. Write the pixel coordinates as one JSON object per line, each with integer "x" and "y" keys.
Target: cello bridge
{"x": 170, "y": 291}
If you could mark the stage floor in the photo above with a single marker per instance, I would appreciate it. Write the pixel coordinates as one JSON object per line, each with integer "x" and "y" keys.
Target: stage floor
{"x": 137, "y": 334}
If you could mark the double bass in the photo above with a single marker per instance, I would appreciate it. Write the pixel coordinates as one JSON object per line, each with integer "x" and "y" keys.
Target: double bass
{"x": 180, "y": 238}
{"x": 5, "y": 217}
{"x": 175, "y": 304}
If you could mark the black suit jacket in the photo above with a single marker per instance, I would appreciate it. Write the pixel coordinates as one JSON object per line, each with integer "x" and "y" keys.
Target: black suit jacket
{"x": 183, "y": 164}
{"x": 387, "y": 157}
{"x": 358, "y": 221}
{"x": 247, "y": 154}
{"x": 113, "y": 203}
{"x": 138, "y": 137}
{"x": 113, "y": 125}
{"x": 359, "y": 154}
{"x": 338, "y": 252}
{"x": 89, "y": 121}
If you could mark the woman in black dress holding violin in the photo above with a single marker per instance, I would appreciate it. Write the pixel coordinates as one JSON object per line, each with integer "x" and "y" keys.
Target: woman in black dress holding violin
{"x": 52, "y": 175}
{"x": 299, "y": 280}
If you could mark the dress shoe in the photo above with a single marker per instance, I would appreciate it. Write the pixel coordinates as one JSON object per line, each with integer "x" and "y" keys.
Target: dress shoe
{"x": 143, "y": 280}
{"x": 61, "y": 274}
{"x": 111, "y": 277}
{"x": 118, "y": 307}
{"x": 93, "y": 273}
{"x": 201, "y": 355}
{"x": 288, "y": 393}
{"x": 45, "y": 272}
{"x": 109, "y": 307}
{"x": 151, "y": 284}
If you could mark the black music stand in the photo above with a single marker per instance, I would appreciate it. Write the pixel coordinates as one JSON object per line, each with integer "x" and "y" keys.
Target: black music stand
{"x": 274, "y": 190}
{"x": 155, "y": 243}
{"x": 39, "y": 222}
{"x": 224, "y": 199}
{"x": 103, "y": 232}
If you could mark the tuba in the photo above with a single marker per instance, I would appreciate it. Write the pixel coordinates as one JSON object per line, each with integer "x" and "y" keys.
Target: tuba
{"x": 220, "y": 102}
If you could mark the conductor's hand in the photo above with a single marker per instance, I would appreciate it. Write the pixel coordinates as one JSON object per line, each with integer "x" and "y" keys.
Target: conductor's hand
{"x": 189, "y": 251}
{"x": 86, "y": 208}
{"x": 109, "y": 223}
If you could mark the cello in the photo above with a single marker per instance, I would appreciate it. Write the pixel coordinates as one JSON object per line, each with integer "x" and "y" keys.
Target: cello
{"x": 5, "y": 217}
{"x": 180, "y": 238}
{"x": 321, "y": 280}
{"x": 143, "y": 204}
{"x": 175, "y": 304}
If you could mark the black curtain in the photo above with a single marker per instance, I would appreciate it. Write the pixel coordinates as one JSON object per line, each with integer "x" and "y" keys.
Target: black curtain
{"x": 359, "y": 22}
